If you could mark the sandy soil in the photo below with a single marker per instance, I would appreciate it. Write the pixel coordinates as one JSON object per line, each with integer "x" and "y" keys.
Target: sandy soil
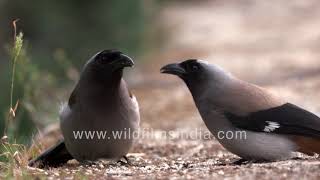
{"x": 274, "y": 44}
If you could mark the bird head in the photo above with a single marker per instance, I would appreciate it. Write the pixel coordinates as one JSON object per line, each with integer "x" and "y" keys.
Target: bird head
{"x": 107, "y": 63}
{"x": 110, "y": 60}
{"x": 197, "y": 74}
{"x": 106, "y": 66}
{"x": 194, "y": 70}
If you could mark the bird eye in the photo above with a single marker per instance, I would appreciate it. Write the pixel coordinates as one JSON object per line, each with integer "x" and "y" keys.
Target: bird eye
{"x": 103, "y": 60}
{"x": 195, "y": 67}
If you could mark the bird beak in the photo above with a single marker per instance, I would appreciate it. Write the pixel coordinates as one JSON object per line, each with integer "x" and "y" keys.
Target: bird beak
{"x": 126, "y": 61}
{"x": 174, "y": 69}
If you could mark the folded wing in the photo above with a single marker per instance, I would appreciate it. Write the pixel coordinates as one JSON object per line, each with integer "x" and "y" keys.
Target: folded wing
{"x": 286, "y": 119}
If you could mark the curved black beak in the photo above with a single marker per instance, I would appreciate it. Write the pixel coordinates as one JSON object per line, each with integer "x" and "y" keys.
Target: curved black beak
{"x": 125, "y": 61}
{"x": 174, "y": 68}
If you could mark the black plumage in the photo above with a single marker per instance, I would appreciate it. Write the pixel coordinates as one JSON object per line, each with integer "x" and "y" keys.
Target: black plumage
{"x": 274, "y": 128}
{"x": 290, "y": 118}
{"x": 100, "y": 102}
{"x": 52, "y": 157}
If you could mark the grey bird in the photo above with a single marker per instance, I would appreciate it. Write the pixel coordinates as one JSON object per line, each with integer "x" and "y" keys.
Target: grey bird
{"x": 271, "y": 128}
{"x": 102, "y": 105}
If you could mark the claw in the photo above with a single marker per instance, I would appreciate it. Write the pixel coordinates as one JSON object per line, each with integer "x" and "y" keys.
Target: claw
{"x": 126, "y": 162}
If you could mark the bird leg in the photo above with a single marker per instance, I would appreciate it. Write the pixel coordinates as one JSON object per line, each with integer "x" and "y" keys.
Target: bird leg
{"x": 88, "y": 162}
{"x": 124, "y": 162}
{"x": 245, "y": 162}
{"x": 240, "y": 162}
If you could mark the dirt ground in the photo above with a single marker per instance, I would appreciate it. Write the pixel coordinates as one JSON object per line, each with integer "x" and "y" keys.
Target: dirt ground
{"x": 274, "y": 44}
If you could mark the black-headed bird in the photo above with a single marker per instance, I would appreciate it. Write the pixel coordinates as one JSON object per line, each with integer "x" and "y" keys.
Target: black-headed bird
{"x": 273, "y": 128}
{"x": 99, "y": 109}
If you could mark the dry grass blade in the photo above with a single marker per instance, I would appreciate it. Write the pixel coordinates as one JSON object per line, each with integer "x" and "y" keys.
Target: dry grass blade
{"x": 17, "y": 47}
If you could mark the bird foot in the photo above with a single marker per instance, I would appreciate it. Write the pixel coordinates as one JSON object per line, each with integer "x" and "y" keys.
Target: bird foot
{"x": 88, "y": 162}
{"x": 240, "y": 162}
{"x": 124, "y": 161}
{"x": 245, "y": 162}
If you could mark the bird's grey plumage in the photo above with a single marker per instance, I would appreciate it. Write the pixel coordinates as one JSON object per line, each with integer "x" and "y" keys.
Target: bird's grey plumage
{"x": 100, "y": 104}
{"x": 219, "y": 96}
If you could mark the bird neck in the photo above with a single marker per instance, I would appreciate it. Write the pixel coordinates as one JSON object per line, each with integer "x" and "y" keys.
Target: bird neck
{"x": 100, "y": 85}
{"x": 212, "y": 92}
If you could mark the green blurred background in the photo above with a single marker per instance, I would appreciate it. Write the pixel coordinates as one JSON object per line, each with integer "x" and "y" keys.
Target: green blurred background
{"x": 259, "y": 41}
{"x": 59, "y": 37}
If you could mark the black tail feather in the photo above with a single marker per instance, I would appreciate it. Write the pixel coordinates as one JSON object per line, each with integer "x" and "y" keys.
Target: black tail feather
{"x": 52, "y": 157}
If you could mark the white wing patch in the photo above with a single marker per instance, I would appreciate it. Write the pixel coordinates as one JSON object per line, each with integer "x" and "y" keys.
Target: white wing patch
{"x": 271, "y": 126}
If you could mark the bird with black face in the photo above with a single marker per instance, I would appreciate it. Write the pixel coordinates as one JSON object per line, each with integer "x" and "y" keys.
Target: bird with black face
{"x": 99, "y": 106}
{"x": 270, "y": 128}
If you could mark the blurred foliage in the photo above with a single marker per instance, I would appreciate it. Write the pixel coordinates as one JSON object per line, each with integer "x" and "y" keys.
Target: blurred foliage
{"x": 78, "y": 27}
{"x": 29, "y": 80}
{"x": 60, "y": 36}
{"x": 12, "y": 158}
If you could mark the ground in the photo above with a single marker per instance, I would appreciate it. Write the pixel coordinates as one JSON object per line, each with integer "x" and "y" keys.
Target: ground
{"x": 274, "y": 44}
